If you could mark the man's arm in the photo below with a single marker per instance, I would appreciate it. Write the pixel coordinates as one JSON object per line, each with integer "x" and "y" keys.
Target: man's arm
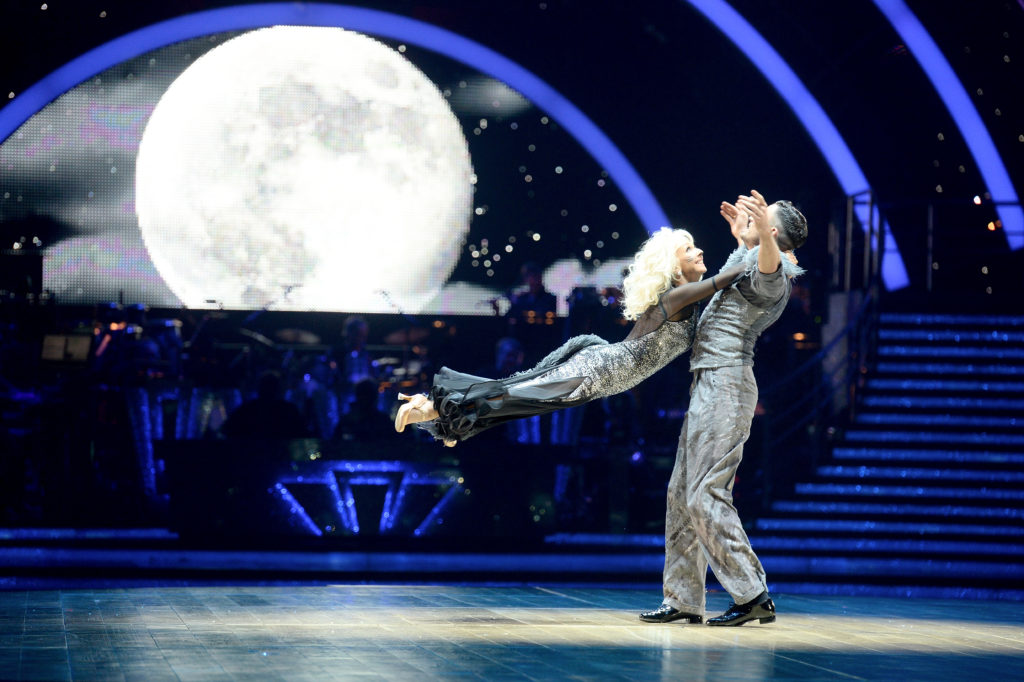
{"x": 769, "y": 258}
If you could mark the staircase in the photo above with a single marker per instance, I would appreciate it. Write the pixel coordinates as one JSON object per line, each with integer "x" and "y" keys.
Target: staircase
{"x": 924, "y": 493}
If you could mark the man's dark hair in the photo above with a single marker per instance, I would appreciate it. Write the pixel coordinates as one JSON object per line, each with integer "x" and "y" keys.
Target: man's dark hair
{"x": 792, "y": 226}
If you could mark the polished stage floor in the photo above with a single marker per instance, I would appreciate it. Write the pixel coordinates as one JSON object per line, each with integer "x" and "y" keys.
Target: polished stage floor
{"x": 412, "y": 632}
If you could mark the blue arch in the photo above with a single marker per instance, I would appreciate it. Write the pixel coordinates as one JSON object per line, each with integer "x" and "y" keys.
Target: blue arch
{"x": 964, "y": 114}
{"x": 243, "y": 17}
{"x": 811, "y": 115}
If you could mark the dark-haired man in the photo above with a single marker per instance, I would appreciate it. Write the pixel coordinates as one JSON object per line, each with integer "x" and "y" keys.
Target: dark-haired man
{"x": 701, "y": 524}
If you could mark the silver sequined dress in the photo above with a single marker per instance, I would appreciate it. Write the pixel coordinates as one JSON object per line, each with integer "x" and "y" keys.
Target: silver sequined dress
{"x": 583, "y": 369}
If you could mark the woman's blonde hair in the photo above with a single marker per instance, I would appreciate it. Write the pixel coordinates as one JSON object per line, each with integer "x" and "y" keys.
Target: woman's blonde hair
{"x": 654, "y": 271}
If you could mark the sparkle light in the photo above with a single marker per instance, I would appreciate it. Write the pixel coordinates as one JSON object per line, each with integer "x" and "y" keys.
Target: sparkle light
{"x": 966, "y": 117}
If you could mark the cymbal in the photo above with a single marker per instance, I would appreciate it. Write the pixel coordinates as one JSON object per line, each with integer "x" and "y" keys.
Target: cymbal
{"x": 256, "y": 336}
{"x": 300, "y": 336}
{"x": 407, "y": 336}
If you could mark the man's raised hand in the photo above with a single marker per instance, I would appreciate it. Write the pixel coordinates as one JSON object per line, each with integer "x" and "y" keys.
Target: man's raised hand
{"x": 757, "y": 208}
{"x": 769, "y": 258}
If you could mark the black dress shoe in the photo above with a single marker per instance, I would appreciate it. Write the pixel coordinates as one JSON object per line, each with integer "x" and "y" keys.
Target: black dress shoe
{"x": 761, "y": 607}
{"x": 667, "y": 614}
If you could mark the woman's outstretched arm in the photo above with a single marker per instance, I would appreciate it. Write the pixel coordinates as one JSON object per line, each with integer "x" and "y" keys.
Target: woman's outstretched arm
{"x": 679, "y": 297}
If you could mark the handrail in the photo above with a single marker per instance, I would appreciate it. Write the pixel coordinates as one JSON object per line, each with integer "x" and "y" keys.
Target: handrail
{"x": 824, "y": 376}
{"x": 820, "y": 355}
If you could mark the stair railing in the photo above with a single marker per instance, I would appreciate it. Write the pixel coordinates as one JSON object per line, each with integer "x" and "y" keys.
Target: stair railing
{"x": 802, "y": 409}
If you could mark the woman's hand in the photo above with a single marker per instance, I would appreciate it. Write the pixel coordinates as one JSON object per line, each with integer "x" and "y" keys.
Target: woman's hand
{"x": 736, "y": 218}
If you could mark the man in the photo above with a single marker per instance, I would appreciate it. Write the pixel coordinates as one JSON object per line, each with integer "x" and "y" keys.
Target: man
{"x": 269, "y": 415}
{"x": 702, "y": 526}
{"x": 532, "y": 304}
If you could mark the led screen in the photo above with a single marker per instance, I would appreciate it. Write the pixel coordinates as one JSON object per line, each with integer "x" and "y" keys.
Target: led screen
{"x": 301, "y": 168}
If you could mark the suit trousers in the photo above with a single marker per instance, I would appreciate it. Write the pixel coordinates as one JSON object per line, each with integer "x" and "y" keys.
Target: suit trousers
{"x": 701, "y": 523}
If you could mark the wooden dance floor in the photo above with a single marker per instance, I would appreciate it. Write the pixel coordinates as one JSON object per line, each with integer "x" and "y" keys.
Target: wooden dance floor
{"x": 405, "y": 632}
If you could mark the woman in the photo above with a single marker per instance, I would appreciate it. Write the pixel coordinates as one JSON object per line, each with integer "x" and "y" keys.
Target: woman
{"x": 660, "y": 295}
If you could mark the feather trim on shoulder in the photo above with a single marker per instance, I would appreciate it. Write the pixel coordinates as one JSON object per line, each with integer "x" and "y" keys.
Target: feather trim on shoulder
{"x": 735, "y": 258}
{"x": 789, "y": 268}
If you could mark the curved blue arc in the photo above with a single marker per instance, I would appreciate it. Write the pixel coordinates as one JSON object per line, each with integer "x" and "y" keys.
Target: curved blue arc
{"x": 243, "y": 17}
{"x": 814, "y": 119}
{"x": 379, "y": 23}
{"x": 966, "y": 117}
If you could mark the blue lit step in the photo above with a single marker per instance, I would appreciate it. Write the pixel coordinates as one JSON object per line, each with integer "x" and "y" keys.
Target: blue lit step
{"x": 899, "y": 509}
{"x": 920, "y": 402}
{"x": 951, "y": 352}
{"x": 972, "y": 421}
{"x": 888, "y": 568}
{"x": 945, "y": 385}
{"x": 944, "y": 456}
{"x": 973, "y": 336}
{"x": 922, "y": 474}
{"x": 907, "y": 491}
{"x": 984, "y": 439}
{"x": 948, "y": 368}
{"x": 977, "y": 320}
{"x": 854, "y": 545}
{"x": 889, "y": 527}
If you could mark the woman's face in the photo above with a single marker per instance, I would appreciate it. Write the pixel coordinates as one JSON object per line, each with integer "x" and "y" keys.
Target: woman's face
{"x": 691, "y": 263}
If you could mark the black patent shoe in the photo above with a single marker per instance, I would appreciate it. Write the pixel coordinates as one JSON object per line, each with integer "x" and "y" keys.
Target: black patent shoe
{"x": 761, "y": 608}
{"x": 667, "y": 614}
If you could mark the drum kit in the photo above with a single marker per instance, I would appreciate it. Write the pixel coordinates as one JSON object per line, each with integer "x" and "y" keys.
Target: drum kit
{"x": 127, "y": 347}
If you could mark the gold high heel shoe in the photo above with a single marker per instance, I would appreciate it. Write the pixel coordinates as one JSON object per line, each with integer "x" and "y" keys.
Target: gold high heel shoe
{"x": 424, "y": 411}
{"x": 418, "y": 409}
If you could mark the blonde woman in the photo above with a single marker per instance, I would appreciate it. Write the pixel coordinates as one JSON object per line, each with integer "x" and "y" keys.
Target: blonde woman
{"x": 660, "y": 293}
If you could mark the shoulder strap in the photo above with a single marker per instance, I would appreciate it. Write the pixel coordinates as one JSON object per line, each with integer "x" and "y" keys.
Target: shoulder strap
{"x": 661, "y": 305}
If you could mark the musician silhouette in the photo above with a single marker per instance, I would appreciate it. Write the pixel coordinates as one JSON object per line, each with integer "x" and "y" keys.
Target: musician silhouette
{"x": 268, "y": 415}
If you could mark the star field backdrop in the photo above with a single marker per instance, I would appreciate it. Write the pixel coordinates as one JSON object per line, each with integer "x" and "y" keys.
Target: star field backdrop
{"x": 694, "y": 117}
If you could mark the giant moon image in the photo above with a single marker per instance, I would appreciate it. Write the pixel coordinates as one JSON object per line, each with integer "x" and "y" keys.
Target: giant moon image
{"x": 302, "y": 168}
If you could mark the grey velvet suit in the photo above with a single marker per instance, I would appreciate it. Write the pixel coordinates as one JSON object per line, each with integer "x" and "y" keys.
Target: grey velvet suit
{"x": 701, "y": 524}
